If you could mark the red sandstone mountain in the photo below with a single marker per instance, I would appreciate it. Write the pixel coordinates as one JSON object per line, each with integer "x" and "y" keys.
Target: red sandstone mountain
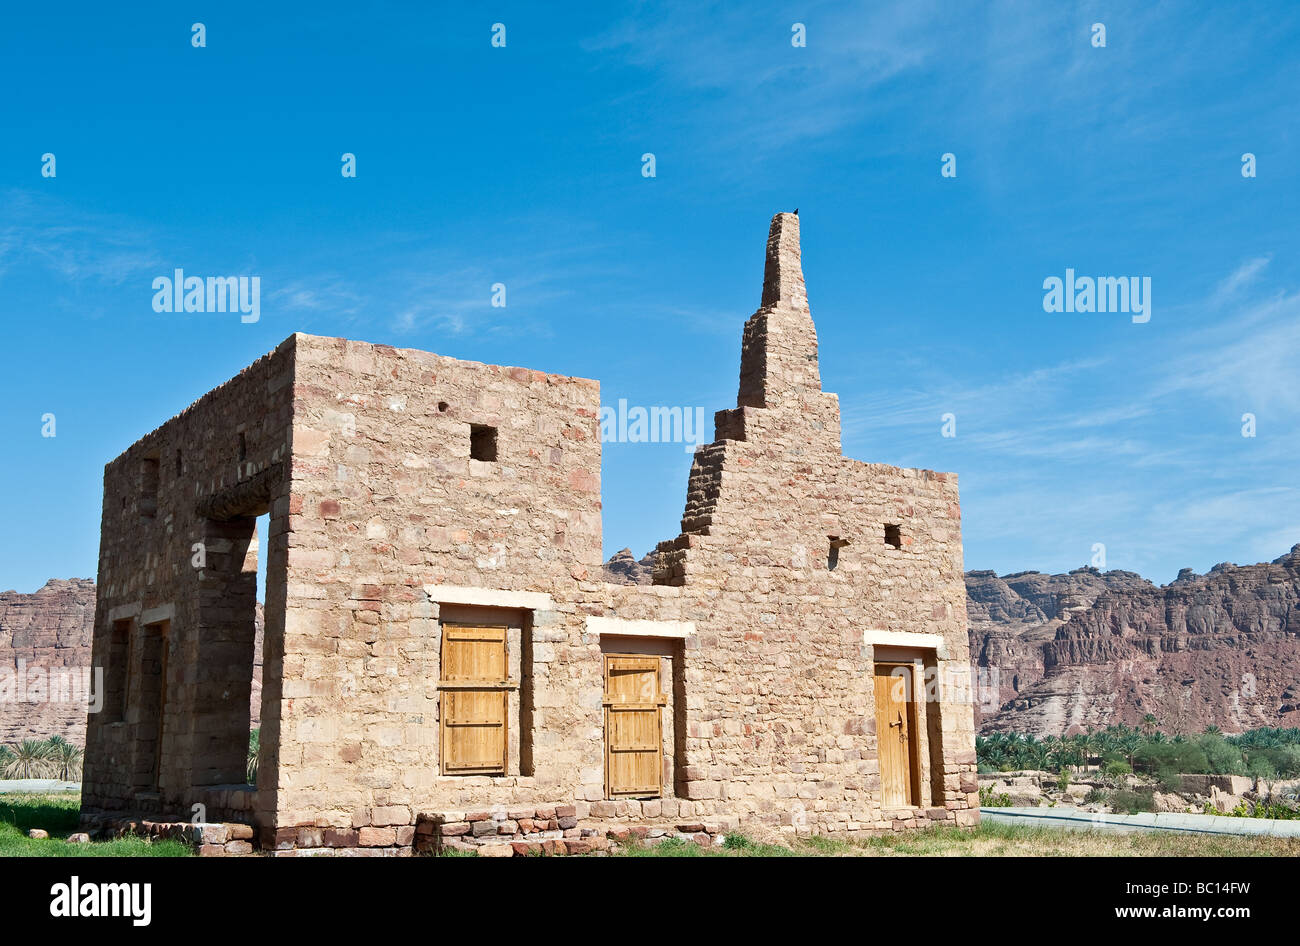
{"x": 1090, "y": 648}
{"x": 623, "y": 569}
{"x": 51, "y": 628}
{"x": 47, "y": 629}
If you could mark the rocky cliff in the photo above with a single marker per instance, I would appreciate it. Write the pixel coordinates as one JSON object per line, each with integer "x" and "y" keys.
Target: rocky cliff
{"x": 1093, "y": 648}
{"x": 623, "y": 569}
{"x": 47, "y": 630}
{"x": 51, "y": 630}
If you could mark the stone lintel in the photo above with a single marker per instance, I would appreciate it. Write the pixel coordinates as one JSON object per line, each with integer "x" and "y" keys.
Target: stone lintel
{"x": 247, "y": 497}
{"x": 914, "y": 639}
{"x": 165, "y": 612}
{"x": 124, "y": 611}
{"x": 621, "y": 627}
{"x": 490, "y": 597}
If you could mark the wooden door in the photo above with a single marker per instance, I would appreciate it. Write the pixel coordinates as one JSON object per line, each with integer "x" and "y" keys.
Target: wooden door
{"x": 474, "y": 692}
{"x": 896, "y": 736}
{"x": 634, "y": 761}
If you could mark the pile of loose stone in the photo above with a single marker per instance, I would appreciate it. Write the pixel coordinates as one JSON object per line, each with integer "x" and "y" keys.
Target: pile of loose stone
{"x": 210, "y": 839}
{"x": 555, "y": 830}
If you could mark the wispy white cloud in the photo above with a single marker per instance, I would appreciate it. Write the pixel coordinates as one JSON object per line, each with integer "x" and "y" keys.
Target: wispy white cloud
{"x": 76, "y": 245}
{"x": 996, "y": 405}
{"x": 1056, "y": 459}
{"x": 325, "y": 293}
{"x": 1244, "y": 275}
{"x": 765, "y": 92}
{"x": 1248, "y": 359}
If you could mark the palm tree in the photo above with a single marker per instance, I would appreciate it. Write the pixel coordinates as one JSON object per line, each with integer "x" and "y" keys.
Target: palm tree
{"x": 1149, "y": 723}
{"x": 1129, "y": 743}
{"x": 1096, "y": 742}
{"x": 67, "y": 758}
{"x": 31, "y": 758}
{"x": 254, "y": 744}
{"x": 1037, "y": 754}
{"x": 1081, "y": 744}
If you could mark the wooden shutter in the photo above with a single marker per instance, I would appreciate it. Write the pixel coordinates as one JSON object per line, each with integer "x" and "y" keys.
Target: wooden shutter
{"x": 474, "y": 692}
{"x": 633, "y": 726}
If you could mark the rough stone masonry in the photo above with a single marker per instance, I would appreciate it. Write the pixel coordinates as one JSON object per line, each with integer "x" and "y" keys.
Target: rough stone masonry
{"x": 439, "y": 644}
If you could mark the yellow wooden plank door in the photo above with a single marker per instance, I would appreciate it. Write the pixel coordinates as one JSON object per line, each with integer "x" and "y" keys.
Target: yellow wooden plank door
{"x": 634, "y": 761}
{"x": 473, "y": 700}
{"x": 895, "y": 735}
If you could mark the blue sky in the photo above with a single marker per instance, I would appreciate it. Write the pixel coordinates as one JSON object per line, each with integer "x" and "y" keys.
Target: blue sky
{"x": 522, "y": 165}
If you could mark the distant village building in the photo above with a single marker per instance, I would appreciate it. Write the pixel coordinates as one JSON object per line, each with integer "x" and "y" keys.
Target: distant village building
{"x": 444, "y": 662}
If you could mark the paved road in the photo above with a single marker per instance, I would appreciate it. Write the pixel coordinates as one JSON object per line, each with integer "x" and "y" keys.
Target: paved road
{"x": 1074, "y": 819}
{"x": 37, "y": 785}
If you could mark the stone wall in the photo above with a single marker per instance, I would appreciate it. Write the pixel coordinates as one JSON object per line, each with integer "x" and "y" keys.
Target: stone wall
{"x": 176, "y": 590}
{"x": 391, "y": 502}
{"x": 764, "y": 507}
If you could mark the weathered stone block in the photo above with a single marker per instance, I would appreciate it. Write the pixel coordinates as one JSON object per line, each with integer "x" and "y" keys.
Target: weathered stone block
{"x": 377, "y": 837}
{"x": 341, "y": 837}
{"x": 390, "y": 815}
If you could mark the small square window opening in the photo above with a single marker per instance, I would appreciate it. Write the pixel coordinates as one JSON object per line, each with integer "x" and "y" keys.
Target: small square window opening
{"x": 482, "y": 443}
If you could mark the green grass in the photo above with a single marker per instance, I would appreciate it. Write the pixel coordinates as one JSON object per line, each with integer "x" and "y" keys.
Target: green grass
{"x": 736, "y": 845}
{"x": 987, "y": 840}
{"x": 58, "y": 814}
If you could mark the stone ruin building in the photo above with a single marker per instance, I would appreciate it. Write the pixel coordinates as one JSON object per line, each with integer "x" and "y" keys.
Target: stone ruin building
{"x": 443, "y": 663}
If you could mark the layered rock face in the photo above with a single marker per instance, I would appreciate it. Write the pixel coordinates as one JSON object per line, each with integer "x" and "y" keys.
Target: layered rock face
{"x": 47, "y": 635}
{"x": 1089, "y": 649}
{"x": 46, "y": 631}
{"x": 624, "y": 569}
{"x": 1014, "y": 617}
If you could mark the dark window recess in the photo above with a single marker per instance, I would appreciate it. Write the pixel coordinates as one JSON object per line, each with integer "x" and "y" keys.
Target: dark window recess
{"x": 442, "y": 407}
{"x": 894, "y": 536}
{"x": 833, "y": 556}
{"x": 115, "y": 682}
{"x": 482, "y": 443}
{"x": 149, "y": 487}
{"x": 180, "y": 464}
{"x": 243, "y": 447}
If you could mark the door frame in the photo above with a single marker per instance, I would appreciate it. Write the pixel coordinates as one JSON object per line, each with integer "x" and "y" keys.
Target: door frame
{"x": 657, "y": 705}
{"x": 915, "y": 724}
{"x": 164, "y": 648}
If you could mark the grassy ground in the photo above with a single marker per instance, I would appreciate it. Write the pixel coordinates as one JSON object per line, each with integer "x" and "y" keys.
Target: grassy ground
{"x": 57, "y": 814}
{"x": 988, "y": 840}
